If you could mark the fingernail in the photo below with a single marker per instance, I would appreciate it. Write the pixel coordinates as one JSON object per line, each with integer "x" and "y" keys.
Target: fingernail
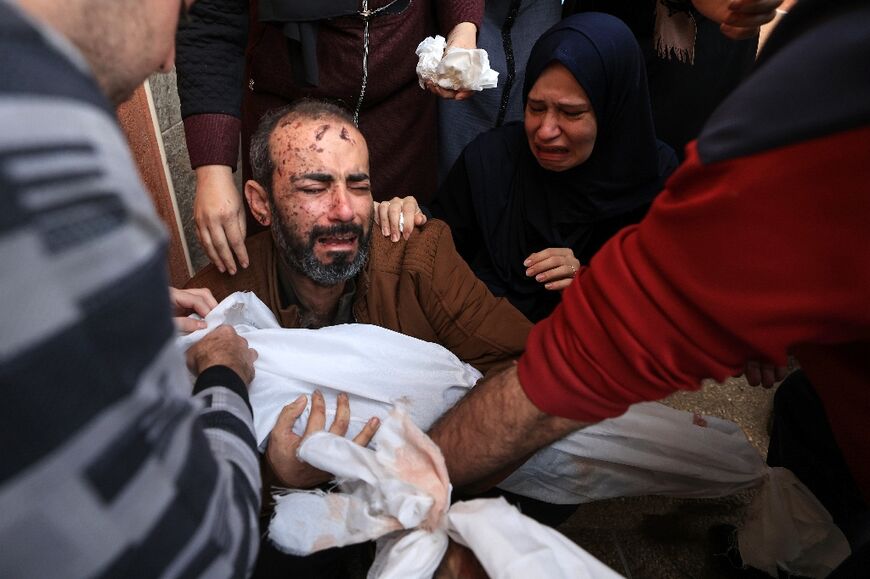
{"x": 527, "y": 262}
{"x": 374, "y": 420}
{"x": 318, "y": 393}
{"x": 245, "y": 264}
{"x": 221, "y": 269}
{"x": 386, "y": 231}
{"x": 540, "y": 277}
{"x": 395, "y": 237}
{"x": 232, "y": 271}
{"x": 201, "y": 324}
{"x": 342, "y": 395}
{"x": 301, "y": 398}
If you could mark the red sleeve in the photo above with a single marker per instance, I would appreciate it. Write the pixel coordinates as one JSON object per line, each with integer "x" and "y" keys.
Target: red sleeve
{"x": 743, "y": 258}
{"x": 212, "y": 139}
{"x": 452, "y": 13}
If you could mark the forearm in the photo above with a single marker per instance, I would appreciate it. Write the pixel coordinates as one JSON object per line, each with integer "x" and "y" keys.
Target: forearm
{"x": 492, "y": 427}
{"x": 210, "y": 57}
{"x": 227, "y": 423}
{"x": 455, "y": 12}
{"x": 210, "y": 63}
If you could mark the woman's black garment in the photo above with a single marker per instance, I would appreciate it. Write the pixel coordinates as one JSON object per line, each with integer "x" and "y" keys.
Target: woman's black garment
{"x": 503, "y": 206}
{"x": 683, "y": 94}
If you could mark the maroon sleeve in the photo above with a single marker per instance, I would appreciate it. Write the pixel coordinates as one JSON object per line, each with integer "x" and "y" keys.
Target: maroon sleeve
{"x": 740, "y": 259}
{"x": 212, "y": 139}
{"x": 453, "y": 12}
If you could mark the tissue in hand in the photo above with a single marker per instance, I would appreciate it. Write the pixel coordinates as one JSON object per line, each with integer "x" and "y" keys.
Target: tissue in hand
{"x": 459, "y": 69}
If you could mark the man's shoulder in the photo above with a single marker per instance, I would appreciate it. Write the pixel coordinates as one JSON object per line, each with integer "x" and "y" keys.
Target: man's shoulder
{"x": 418, "y": 253}
{"x": 253, "y": 278}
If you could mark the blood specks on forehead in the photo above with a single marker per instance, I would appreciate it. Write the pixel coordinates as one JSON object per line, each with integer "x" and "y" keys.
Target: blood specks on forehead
{"x": 320, "y": 131}
{"x": 345, "y": 136}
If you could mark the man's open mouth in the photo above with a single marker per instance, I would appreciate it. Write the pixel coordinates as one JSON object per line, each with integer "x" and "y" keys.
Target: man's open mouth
{"x": 338, "y": 241}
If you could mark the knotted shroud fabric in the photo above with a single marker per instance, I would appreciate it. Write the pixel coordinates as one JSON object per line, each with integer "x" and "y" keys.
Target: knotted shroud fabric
{"x": 402, "y": 486}
{"x": 650, "y": 450}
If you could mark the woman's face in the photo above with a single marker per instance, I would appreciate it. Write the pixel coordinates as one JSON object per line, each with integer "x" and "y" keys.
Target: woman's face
{"x": 560, "y": 122}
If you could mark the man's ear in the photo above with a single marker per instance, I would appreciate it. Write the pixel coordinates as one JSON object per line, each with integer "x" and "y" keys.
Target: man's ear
{"x": 258, "y": 201}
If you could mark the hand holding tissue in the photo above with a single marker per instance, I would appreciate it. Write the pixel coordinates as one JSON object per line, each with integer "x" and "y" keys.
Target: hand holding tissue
{"x": 458, "y": 69}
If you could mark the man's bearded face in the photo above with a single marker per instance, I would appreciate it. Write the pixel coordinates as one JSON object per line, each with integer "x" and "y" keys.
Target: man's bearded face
{"x": 298, "y": 249}
{"x": 321, "y": 202}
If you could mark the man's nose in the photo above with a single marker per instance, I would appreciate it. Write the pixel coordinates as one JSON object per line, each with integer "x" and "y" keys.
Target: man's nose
{"x": 340, "y": 208}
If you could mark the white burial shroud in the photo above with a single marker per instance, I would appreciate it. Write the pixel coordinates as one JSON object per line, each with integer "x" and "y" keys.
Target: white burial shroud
{"x": 651, "y": 449}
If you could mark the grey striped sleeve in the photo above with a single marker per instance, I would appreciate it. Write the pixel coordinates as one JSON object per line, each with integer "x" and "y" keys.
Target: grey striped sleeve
{"x": 110, "y": 468}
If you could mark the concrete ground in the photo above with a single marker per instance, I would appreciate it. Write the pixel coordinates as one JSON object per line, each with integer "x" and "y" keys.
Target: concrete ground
{"x": 666, "y": 538}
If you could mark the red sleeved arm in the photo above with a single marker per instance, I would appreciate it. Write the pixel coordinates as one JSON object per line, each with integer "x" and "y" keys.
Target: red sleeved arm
{"x": 212, "y": 139}
{"x": 455, "y": 11}
{"x": 743, "y": 258}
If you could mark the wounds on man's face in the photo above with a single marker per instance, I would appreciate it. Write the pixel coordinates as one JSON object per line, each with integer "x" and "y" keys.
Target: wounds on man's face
{"x": 322, "y": 207}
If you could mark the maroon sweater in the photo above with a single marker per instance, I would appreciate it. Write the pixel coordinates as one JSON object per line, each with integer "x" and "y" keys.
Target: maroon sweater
{"x": 232, "y": 69}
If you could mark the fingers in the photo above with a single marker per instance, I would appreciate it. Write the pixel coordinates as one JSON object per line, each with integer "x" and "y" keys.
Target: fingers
{"x": 222, "y": 248}
{"x": 235, "y": 234}
{"x": 379, "y": 219}
{"x": 187, "y": 325}
{"x": 409, "y": 211}
{"x": 753, "y": 373}
{"x": 765, "y": 375}
{"x": 398, "y": 217}
{"x": 205, "y": 241}
{"x": 223, "y": 347}
{"x": 368, "y": 431}
{"x": 768, "y": 376}
{"x": 552, "y": 265}
{"x": 342, "y": 415}
{"x": 420, "y": 218}
{"x": 199, "y": 300}
{"x": 317, "y": 418}
{"x": 289, "y": 415}
{"x": 395, "y": 217}
{"x": 559, "y": 285}
{"x": 544, "y": 254}
{"x": 446, "y": 93}
{"x": 340, "y": 423}
{"x": 219, "y": 212}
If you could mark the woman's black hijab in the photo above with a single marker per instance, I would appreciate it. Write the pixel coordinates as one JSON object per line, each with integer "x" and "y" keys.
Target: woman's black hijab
{"x": 529, "y": 208}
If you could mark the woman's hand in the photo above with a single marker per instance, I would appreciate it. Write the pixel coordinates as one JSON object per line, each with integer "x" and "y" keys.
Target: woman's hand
{"x": 463, "y": 35}
{"x": 398, "y": 216}
{"x": 555, "y": 267}
{"x": 738, "y": 19}
{"x": 283, "y": 442}
{"x": 219, "y": 212}
{"x": 188, "y": 301}
{"x": 766, "y": 375}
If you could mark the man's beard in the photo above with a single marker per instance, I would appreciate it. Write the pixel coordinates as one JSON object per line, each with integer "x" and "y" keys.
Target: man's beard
{"x": 299, "y": 253}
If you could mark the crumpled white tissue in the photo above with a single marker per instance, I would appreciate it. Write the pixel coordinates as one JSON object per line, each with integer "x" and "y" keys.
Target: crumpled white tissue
{"x": 458, "y": 69}
{"x": 402, "y": 486}
{"x": 651, "y": 449}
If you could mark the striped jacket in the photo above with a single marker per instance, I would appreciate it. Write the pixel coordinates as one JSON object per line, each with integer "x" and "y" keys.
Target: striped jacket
{"x": 109, "y": 467}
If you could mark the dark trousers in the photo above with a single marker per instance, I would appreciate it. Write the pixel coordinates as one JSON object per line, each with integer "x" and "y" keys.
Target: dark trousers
{"x": 801, "y": 441}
